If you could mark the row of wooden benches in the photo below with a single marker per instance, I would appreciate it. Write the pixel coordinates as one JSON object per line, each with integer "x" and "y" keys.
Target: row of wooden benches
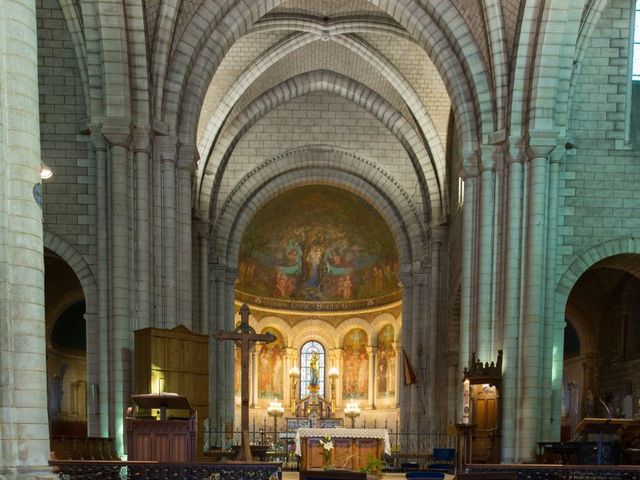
{"x": 83, "y": 448}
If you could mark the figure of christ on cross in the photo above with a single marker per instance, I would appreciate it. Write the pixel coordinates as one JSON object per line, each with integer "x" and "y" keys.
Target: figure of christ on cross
{"x": 244, "y": 335}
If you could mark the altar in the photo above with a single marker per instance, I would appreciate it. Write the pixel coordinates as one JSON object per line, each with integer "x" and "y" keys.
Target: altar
{"x": 352, "y": 446}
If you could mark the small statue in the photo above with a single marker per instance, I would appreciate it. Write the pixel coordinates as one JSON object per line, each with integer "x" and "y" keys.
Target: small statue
{"x": 314, "y": 368}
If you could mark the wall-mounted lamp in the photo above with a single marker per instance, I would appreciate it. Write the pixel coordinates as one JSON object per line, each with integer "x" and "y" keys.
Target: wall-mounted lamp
{"x": 45, "y": 171}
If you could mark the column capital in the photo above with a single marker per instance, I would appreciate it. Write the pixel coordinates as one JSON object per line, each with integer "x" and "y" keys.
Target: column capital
{"x": 165, "y": 148}
{"x": 540, "y": 143}
{"x": 188, "y": 157}
{"x": 142, "y": 140}
{"x": 491, "y": 156}
{"x": 118, "y": 131}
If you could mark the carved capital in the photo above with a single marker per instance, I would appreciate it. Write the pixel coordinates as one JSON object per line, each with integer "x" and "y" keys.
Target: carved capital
{"x": 117, "y": 131}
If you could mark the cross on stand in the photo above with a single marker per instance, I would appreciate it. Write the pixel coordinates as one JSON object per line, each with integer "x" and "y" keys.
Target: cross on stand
{"x": 244, "y": 335}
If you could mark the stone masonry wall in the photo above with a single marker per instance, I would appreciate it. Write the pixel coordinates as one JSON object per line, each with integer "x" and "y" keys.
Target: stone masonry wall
{"x": 320, "y": 118}
{"x": 599, "y": 198}
{"x": 69, "y": 196}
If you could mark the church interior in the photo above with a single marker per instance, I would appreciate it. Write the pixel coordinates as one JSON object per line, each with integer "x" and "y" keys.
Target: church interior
{"x": 413, "y": 217}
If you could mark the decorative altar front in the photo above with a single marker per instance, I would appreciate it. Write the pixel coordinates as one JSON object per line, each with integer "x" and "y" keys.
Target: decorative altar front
{"x": 352, "y": 446}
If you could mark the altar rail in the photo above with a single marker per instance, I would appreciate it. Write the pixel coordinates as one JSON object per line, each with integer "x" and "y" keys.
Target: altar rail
{"x": 405, "y": 446}
{"x": 93, "y": 470}
{"x": 561, "y": 472}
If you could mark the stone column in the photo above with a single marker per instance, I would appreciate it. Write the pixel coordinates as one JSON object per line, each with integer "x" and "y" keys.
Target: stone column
{"x": 417, "y": 348}
{"x": 228, "y": 363}
{"x": 187, "y": 164}
{"x": 102, "y": 280}
{"x": 143, "y": 216}
{"x": 554, "y": 325}
{"x": 404, "y": 391}
{"x": 216, "y": 372}
{"x": 534, "y": 298}
{"x": 399, "y": 373}
{"x": 434, "y": 337}
{"x": 512, "y": 318}
{"x": 118, "y": 134}
{"x": 371, "y": 352}
{"x": 204, "y": 322}
{"x": 24, "y": 433}
{"x": 485, "y": 325}
{"x": 467, "y": 317}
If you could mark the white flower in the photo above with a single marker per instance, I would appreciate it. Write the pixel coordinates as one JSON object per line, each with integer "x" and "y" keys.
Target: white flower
{"x": 328, "y": 446}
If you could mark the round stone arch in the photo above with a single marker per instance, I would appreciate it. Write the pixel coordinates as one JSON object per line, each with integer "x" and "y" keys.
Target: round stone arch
{"x": 275, "y": 177}
{"x": 336, "y": 84}
{"x": 467, "y": 79}
{"x": 620, "y": 246}
{"x": 277, "y": 323}
{"x": 382, "y": 321}
{"x": 354, "y": 322}
{"x": 314, "y": 329}
{"x": 89, "y": 288}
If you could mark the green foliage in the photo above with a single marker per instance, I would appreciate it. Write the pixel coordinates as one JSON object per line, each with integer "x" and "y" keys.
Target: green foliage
{"x": 373, "y": 466}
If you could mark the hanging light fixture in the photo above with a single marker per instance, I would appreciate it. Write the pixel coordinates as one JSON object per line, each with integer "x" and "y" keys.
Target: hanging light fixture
{"x": 45, "y": 171}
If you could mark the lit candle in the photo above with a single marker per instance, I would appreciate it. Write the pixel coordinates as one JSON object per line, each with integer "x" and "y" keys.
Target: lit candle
{"x": 466, "y": 410}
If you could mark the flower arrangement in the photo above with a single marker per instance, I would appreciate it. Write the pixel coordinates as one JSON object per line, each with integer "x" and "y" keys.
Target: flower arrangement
{"x": 327, "y": 445}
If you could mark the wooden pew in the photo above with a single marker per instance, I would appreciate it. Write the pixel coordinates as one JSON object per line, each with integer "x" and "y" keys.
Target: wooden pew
{"x": 83, "y": 448}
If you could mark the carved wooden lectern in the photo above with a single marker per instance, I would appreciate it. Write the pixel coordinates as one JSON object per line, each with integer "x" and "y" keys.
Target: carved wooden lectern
{"x": 164, "y": 440}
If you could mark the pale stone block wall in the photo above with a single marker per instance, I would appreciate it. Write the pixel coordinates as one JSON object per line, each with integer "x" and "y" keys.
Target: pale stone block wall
{"x": 69, "y": 196}
{"x": 320, "y": 118}
{"x": 599, "y": 197}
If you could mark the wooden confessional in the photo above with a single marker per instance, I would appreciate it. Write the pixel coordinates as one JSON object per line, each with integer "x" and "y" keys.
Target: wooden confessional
{"x": 485, "y": 384}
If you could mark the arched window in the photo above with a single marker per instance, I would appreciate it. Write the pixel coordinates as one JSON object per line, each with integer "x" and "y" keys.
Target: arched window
{"x": 306, "y": 351}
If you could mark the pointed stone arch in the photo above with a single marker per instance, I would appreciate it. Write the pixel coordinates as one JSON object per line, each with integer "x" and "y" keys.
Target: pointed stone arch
{"x": 337, "y": 84}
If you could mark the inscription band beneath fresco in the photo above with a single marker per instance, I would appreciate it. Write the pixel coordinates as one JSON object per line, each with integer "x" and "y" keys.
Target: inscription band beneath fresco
{"x": 315, "y": 306}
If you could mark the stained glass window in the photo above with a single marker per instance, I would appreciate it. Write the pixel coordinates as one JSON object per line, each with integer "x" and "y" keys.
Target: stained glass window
{"x": 307, "y": 350}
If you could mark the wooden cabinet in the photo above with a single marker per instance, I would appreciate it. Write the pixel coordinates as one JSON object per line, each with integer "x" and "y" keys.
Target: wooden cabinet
{"x": 175, "y": 361}
{"x": 161, "y": 440}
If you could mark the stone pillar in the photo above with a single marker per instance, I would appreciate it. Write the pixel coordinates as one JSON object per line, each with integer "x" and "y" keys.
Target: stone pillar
{"x": 204, "y": 322}
{"x": 118, "y": 135}
{"x": 371, "y": 353}
{"x": 554, "y": 325}
{"x": 215, "y": 307}
{"x": 468, "y": 283}
{"x": 404, "y": 392}
{"x": 143, "y": 216}
{"x": 417, "y": 349}
{"x": 165, "y": 150}
{"x": 512, "y": 317}
{"x": 187, "y": 164}
{"x": 102, "y": 279}
{"x": 399, "y": 373}
{"x": 534, "y": 299}
{"x": 485, "y": 325}
{"x": 24, "y": 433}
{"x": 434, "y": 337}
{"x": 228, "y": 363}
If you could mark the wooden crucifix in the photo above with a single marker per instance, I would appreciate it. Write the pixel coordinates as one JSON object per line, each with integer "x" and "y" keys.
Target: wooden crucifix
{"x": 244, "y": 336}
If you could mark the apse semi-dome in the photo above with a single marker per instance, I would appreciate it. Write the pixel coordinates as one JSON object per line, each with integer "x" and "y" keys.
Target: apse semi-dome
{"x": 318, "y": 248}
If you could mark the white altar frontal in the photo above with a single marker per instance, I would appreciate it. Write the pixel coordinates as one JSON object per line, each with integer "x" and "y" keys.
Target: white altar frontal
{"x": 352, "y": 446}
